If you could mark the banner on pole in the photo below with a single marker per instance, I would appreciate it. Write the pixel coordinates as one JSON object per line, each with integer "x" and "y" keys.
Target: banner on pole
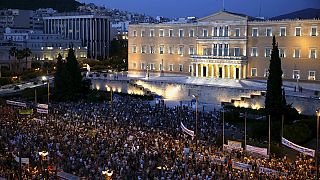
{"x": 186, "y": 130}
{"x": 268, "y": 171}
{"x": 257, "y": 150}
{"x": 16, "y": 103}
{"x": 232, "y": 145}
{"x": 242, "y": 166}
{"x": 42, "y": 106}
{"x": 23, "y": 160}
{"x": 296, "y": 147}
{"x": 25, "y": 111}
{"x": 42, "y": 111}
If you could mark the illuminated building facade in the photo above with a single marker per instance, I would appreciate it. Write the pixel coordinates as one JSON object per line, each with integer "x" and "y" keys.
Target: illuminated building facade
{"x": 225, "y": 45}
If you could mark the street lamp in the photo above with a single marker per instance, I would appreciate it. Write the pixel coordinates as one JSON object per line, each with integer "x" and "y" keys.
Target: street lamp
{"x": 196, "y": 128}
{"x": 46, "y": 79}
{"x": 108, "y": 174}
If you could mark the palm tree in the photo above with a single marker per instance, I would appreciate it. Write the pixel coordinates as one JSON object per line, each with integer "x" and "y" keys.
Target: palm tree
{"x": 26, "y": 54}
{"x": 13, "y": 52}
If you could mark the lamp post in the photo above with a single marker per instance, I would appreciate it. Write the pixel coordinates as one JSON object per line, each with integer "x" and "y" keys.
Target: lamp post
{"x": 245, "y": 130}
{"x": 317, "y": 166}
{"x": 269, "y": 136}
{"x": 222, "y": 128}
{"x": 108, "y": 174}
{"x": 46, "y": 79}
{"x": 196, "y": 128}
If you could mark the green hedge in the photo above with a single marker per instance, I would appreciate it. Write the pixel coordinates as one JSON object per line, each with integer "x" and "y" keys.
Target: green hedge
{"x": 5, "y": 81}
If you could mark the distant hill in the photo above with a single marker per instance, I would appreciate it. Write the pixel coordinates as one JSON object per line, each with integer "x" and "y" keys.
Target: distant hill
{"x": 309, "y": 13}
{"x": 60, "y": 5}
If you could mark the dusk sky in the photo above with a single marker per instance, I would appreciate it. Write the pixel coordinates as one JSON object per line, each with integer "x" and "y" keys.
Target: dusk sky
{"x": 200, "y": 8}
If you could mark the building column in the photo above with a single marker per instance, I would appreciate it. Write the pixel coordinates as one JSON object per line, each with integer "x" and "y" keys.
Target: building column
{"x": 207, "y": 70}
{"x": 190, "y": 69}
{"x": 234, "y": 71}
{"x": 229, "y": 72}
{"x": 240, "y": 71}
{"x": 223, "y": 71}
{"x": 197, "y": 70}
{"x": 201, "y": 70}
{"x": 245, "y": 71}
{"x": 212, "y": 71}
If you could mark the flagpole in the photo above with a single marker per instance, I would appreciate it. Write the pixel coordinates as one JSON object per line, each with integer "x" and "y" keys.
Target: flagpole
{"x": 196, "y": 133}
{"x": 35, "y": 95}
{"x": 245, "y": 130}
{"x": 269, "y": 136}
{"x": 317, "y": 165}
{"x": 282, "y": 125}
{"x": 222, "y": 129}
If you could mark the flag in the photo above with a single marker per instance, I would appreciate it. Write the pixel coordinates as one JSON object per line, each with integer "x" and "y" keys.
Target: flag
{"x": 187, "y": 131}
{"x": 42, "y": 106}
{"x": 42, "y": 111}
{"x": 25, "y": 111}
{"x": 88, "y": 68}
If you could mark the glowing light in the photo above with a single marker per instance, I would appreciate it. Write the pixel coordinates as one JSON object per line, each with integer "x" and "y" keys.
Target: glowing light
{"x": 98, "y": 87}
{"x": 44, "y": 78}
{"x": 119, "y": 90}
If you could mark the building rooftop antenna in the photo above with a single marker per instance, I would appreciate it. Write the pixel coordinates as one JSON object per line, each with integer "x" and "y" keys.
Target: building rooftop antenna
{"x": 260, "y": 9}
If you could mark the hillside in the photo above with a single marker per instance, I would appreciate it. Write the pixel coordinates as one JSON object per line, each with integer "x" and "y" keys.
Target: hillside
{"x": 60, "y": 5}
{"x": 309, "y": 13}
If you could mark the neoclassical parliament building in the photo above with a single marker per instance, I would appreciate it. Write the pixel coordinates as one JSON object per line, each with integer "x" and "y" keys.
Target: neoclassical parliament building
{"x": 226, "y": 45}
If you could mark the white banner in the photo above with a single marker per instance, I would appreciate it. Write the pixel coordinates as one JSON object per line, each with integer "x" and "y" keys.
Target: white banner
{"x": 268, "y": 171}
{"x": 38, "y": 120}
{"x": 187, "y": 131}
{"x": 23, "y": 160}
{"x": 296, "y": 147}
{"x": 42, "y": 106}
{"x": 257, "y": 150}
{"x": 243, "y": 166}
{"x": 15, "y": 103}
{"x": 42, "y": 111}
{"x": 234, "y": 144}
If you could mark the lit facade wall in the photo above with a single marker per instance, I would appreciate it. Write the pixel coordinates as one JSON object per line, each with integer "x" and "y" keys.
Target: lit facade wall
{"x": 225, "y": 45}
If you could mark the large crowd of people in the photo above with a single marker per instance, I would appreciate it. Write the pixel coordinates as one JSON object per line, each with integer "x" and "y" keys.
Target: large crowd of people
{"x": 133, "y": 140}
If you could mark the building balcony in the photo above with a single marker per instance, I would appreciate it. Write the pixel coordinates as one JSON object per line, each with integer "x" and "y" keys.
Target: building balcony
{"x": 219, "y": 59}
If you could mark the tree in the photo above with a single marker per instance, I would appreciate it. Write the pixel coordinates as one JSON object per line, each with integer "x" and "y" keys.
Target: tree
{"x": 274, "y": 100}
{"x": 59, "y": 79}
{"x": 26, "y": 54}
{"x": 13, "y": 52}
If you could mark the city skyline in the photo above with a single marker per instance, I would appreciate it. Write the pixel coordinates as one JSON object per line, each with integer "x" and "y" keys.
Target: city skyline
{"x": 168, "y": 8}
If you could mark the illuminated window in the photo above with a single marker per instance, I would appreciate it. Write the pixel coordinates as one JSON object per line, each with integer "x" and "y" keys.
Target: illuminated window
{"x": 253, "y": 72}
{"x": 282, "y": 31}
{"x": 171, "y": 67}
{"x": 255, "y": 32}
{"x": 181, "y": 33}
{"x": 161, "y": 33}
{"x": 268, "y": 31}
{"x": 134, "y": 33}
{"x": 266, "y": 73}
{"x": 170, "y": 32}
{"x": 237, "y": 33}
{"x": 296, "y": 53}
{"x": 151, "y": 33}
{"x": 312, "y": 54}
{"x": 134, "y": 49}
{"x": 313, "y": 31}
{"x": 282, "y": 52}
{"x": 180, "y": 67}
{"x": 267, "y": 52}
{"x": 205, "y": 33}
{"x": 312, "y": 75}
{"x": 298, "y": 31}
{"x": 296, "y": 74}
{"x": 161, "y": 49}
{"x": 191, "y": 33}
{"x": 254, "y": 52}
{"x": 143, "y": 49}
{"x": 191, "y": 50}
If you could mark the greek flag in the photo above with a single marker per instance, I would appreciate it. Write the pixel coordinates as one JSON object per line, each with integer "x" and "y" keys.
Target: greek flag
{"x": 187, "y": 131}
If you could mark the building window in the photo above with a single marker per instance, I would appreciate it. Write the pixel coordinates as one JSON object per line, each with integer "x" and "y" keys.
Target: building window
{"x": 267, "y": 52}
{"x": 237, "y": 33}
{"x": 254, "y": 52}
{"x": 282, "y": 52}
{"x": 161, "y": 49}
{"x": 134, "y": 65}
{"x": 282, "y": 31}
{"x": 171, "y": 67}
{"x": 220, "y": 31}
{"x": 205, "y": 51}
{"x": 134, "y": 49}
{"x": 312, "y": 75}
{"x": 266, "y": 73}
{"x": 191, "y": 50}
{"x": 314, "y": 31}
{"x": 298, "y": 31}
{"x": 160, "y": 67}
{"x": 170, "y": 32}
{"x": 226, "y": 50}
{"x": 143, "y": 49}
{"x": 253, "y": 72}
{"x": 236, "y": 51}
{"x": 134, "y": 33}
{"x": 296, "y": 74}
{"x": 190, "y": 68}
{"x": 269, "y": 32}
{"x": 296, "y": 53}
{"x": 220, "y": 50}
{"x": 152, "y": 50}
{"x": 180, "y": 67}
{"x": 205, "y": 33}
{"x": 226, "y": 31}
{"x": 215, "y": 49}
{"x": 312, "y": 54}
{"x": 215, "y": 33}
{"x": 152, "y": 67}
{"x": 142, "y": 33}
{"x": 255, "y": 32}
{"x": 181, "y": 33}
{"x": 191, "y": 33}
{"x": 170, "y": 50}
{"x": 180, "y": 50}
{"x": 143, "y": 66}
{"x": 161, "y": 32}
{"x": 151, "y": 32}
